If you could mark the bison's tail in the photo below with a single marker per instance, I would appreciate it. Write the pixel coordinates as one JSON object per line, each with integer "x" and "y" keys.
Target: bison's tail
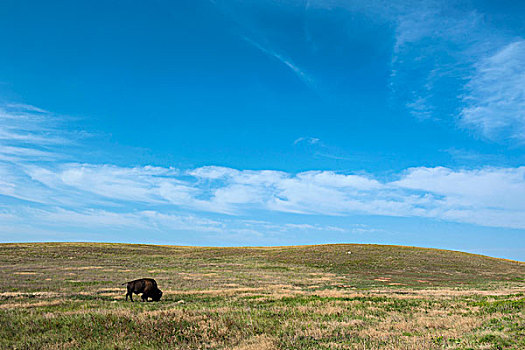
{"x": 124, "y": 283}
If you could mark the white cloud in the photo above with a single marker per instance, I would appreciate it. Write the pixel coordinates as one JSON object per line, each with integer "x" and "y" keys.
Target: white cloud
{"x": 303, "y": 76}
{"x": 495, "y": 94}
{"x": 485, "y": 196}
{"x": 29, "y": 134}
{"x": 448, "y": 59}
{"x": 309, "y": 140}
{"x": 29, "y": 223}
{"x": 212, "y": 172}
{"x": 332, "y": 179}
{"x": 488, "y": 187}
{"x": 29, "y": 126}
{"x": 442, "y": 193}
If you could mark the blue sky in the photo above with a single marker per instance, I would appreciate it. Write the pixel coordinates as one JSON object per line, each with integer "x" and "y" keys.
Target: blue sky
{"x": 264, "y": 123}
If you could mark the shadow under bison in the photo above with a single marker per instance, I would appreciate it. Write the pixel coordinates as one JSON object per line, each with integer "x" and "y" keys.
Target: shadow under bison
{"x": 146, "y": 286}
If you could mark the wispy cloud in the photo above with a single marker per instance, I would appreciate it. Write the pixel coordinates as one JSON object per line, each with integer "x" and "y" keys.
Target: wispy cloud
{"x": 303, "y": 76}
{"x": 309, "y": 140}
{"x": 448, "y": 62}
{"x": 21, "y": 223}
{"x": 495, "y": 94}
{"x": 320, "y": 149}
{"x": 247, "y": 18}
{"x": 28, "y": 132}
{"x": 485, "y": 196}
{"x": 44, "y": 194}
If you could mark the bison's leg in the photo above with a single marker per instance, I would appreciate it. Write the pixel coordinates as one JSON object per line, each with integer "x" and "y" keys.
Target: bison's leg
{"x": 130, "y": 293}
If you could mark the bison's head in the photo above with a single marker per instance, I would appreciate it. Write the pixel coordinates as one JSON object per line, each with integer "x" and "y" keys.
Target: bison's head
{"x": 157, "y": 295}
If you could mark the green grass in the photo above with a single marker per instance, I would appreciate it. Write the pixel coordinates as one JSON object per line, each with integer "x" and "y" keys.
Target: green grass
{"x": 69, "y": 295}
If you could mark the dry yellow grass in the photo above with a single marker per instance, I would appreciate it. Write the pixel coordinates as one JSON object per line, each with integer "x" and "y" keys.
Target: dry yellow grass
{"x": 315, "y": 297}
{"x": 258, "y": 342}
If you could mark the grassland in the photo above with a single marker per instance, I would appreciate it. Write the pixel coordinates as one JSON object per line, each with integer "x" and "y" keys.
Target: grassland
{"x": 69, "y": 296}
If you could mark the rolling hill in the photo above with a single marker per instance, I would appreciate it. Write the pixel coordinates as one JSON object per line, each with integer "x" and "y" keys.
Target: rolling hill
{"x": 355, "y": 296}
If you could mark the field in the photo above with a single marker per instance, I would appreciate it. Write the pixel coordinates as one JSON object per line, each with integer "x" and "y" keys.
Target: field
{"x": 69, "y": 296}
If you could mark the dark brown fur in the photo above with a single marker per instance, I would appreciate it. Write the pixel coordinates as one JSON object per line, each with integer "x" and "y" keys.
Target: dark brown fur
{"x": 146, "y": 286}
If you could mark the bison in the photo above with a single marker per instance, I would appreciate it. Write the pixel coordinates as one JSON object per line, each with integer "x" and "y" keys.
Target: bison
{"x": 146, "y": 286}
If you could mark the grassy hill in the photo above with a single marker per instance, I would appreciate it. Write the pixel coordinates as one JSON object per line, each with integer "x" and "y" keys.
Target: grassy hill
{"x": 345, "y": 296}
